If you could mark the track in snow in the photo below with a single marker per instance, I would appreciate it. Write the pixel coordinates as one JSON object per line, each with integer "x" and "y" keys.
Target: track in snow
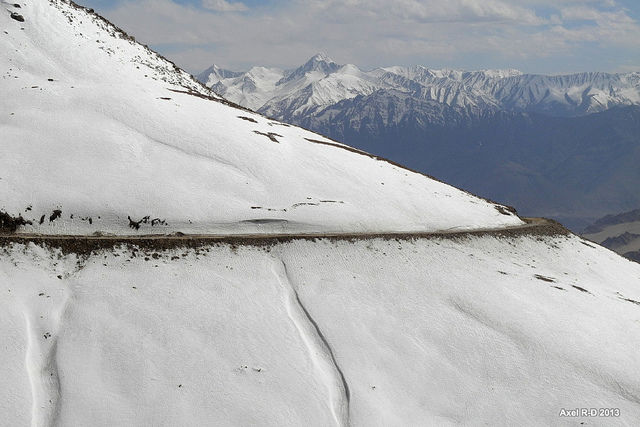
{"x": 41, "y": 364}
{"x": 320, "y": 352}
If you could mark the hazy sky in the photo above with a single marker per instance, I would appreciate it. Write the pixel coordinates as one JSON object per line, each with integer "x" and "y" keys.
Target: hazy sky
{"x": 537, "y": 36}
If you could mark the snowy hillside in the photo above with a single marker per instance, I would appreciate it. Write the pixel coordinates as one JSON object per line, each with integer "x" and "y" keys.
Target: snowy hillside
{"x": 507, "y": 324}
{"x": 471, "y": 331}
{"x": 321, "y": 83}
{"x": 101, "y": 129}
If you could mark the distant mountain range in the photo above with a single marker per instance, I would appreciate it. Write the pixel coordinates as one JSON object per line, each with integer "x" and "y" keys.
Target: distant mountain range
{"x": 620, "y": 233}
{"x": 321, "y": 83}
{"x": 562, "y": 146}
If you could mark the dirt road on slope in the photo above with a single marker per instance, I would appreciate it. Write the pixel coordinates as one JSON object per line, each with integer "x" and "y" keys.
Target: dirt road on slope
{"x": 89, "y": 243}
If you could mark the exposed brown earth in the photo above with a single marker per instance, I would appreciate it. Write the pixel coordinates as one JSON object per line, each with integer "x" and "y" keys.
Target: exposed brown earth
{"x": 84, "y": 245}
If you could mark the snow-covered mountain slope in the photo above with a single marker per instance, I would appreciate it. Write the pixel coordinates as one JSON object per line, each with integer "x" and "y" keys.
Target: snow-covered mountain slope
{"x": 321, "y": 83}
{"x": 97, "y": 129}
{"x": 497, "y": 327}
{"x": 470, "y": 331}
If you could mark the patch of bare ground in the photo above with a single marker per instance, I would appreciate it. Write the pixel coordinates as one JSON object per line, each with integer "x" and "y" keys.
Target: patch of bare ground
{"x": 16, "y": 16}
{"x": 581, "y": 289}
{"x": 211, "y": 98}
{"x": 271, "y": 135}
{"x": 623, "y": 298}
{"x": 248, "y": 119}
{"x": 9, "y": 223}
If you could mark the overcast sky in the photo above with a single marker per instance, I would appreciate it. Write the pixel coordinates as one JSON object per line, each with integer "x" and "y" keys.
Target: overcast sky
{"x": 535, "y": 36}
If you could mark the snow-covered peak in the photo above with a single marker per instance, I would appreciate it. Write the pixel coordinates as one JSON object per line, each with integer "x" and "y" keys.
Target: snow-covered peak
{"x": 351, "y": 70}
{"x": 319, "y": 65}
{"x": 444, "y": 73}
{"x": 318, "y": 62}
{"x": 264, "y": 72}
{"x": 105, "y": 135}
{"x": 501, "y": 73}
{"x": 214, "y": 74}
{"x": 321, "y": 57}
{"x": 250, "y": 89}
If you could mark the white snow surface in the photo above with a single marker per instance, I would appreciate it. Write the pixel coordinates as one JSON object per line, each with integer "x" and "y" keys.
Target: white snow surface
{"x": 366, "y": 333}
{"x": 91, "y": 126}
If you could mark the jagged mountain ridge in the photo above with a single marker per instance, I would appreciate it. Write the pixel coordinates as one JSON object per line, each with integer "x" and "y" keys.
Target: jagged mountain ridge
{"x": 321, "y": 83}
